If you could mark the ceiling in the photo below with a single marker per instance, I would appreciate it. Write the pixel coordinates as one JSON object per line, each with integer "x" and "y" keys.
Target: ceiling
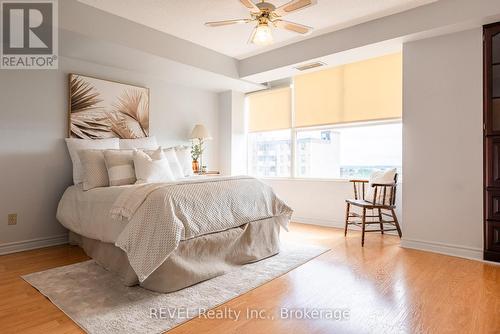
{"x": 185, "y": 19}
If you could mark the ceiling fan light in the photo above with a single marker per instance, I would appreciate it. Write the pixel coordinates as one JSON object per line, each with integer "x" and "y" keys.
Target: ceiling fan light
{"x": 262, "y": 35}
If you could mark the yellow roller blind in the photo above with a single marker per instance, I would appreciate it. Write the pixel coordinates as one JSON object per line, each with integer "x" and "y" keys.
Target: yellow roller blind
{"x": 270, "y": 110}
{"x": 318, "y": 97}
{"x": 373, "y": 89}
{"x": 362, "y": 91}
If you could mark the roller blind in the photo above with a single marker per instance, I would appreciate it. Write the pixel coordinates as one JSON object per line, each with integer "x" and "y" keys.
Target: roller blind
{"x": 363, "y": 91}
{"x": 319, "y": 97}
{"x": 270, "y": 110}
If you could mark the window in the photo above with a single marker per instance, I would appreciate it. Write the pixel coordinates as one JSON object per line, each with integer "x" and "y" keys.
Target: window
{"x": 348, "y": 151}
{"x": 343, "y": 122}
{"x": 270, "y": 153}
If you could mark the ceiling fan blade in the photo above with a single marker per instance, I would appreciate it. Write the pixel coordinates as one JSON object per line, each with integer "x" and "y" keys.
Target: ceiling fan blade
{"x": 226, "y": 22}
{"x": 252, "y": 35}
{"x": 250, "y": 6}
{"x": 293, "y": 6}
{"x": 292, "y": 26}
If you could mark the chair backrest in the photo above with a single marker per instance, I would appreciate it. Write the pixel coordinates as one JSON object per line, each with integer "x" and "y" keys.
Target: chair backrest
{"x": 381, "y": 194}
{"x": 385, "y": 194}
{"x": 359, "y": 188}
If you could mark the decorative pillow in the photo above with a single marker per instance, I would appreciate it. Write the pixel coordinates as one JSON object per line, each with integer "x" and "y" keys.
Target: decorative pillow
{"x": 175, "y": 166}
{"x": 147, "y": 143}
{"x": 380, "y": 177}
{"x": 156, "y": 154}
{"x": 184, "y": 156}
{"x": 94, "y": 169}
{"x": 149, "y": 169}
{"x": 120, "y": 167}
{"x": 75, "y": 145}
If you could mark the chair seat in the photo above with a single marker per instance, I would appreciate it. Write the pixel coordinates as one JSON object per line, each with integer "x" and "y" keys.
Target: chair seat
{"x": 365, "y": 204}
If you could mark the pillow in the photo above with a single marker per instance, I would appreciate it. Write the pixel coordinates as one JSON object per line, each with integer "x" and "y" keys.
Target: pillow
{"x": 380, "y": 177}
{"x": 156, "y": 154}
{"x": 120, "y": 167}
{"x": 147, "y": 143}
{"x": 94, "y": 172}
{"x": 175, "y": 166}
{"x": 184, "y": 157}
{"x": 75, "y": 145}
{"x": 148, "y": 169}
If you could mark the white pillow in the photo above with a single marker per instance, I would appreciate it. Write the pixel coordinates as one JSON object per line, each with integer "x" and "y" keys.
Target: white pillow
{"x": 94, "y": 171}
{"x": 380, "y": 177}
{"x": 148, "y": 169}
{"x": 175, "y": 166}
{"x": 75, "y": 145}
{"x": 146, "y": 143}
{"x": 120, "y": 167}
{"x": 184, "y": 156}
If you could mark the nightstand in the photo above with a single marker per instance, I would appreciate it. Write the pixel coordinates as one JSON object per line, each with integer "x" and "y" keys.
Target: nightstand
{"x": 211, "y": 173}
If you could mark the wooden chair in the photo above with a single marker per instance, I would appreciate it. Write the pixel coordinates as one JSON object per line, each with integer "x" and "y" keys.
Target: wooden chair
{"x": 381, "y": 205}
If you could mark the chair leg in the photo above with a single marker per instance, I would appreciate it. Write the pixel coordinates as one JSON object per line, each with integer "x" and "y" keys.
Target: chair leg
{"x": 347, "y": 210}
{"x": 363, "y": 220}
{"x": 380, "y": 220}
{"x": 396, "y": 222}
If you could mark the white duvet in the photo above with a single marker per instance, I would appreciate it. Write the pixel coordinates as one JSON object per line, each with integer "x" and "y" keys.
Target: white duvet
{"x": 155, "y": 218}
{"x": 88, "y": 212}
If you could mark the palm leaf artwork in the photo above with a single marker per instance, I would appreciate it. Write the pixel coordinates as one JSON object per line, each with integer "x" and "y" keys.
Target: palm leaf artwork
{"x": 88, "y": 120}
{"x": 106, "y": 109}
{"x": 120, "y": 127}
{"x": 83, "y": 95}
{"x": 131, "y": 114}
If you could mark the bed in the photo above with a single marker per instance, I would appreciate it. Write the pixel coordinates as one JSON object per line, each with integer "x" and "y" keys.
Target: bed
{"x": 168, "y": 236}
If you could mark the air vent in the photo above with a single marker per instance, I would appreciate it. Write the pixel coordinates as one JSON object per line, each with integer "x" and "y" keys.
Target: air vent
{"x": 310, "y": 65}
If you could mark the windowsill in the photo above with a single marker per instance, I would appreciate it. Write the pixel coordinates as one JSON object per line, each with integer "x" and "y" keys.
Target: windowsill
{"x": 302, "y": 179}
{"x": 312, "y": 179}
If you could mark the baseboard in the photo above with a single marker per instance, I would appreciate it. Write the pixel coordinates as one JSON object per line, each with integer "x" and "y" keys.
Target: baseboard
{"x": 319, "y": 222}
{"x": 327, "y": 223}
{"x": 470, "y": 253}
{"x": 19, "y": 246}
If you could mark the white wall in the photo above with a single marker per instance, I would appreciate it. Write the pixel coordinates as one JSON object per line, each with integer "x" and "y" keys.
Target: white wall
{"x": 442, "y": 149}
{"x": 319, "y": 202}
{"x": 233, "y": 145}
{"x": 34, "y": 163}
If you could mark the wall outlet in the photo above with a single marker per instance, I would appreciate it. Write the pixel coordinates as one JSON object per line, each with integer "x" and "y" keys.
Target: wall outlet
{"x": 12, "y": 219}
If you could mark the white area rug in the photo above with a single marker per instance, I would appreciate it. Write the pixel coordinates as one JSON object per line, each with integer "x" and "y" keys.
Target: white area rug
{"x": 97, "y": 301}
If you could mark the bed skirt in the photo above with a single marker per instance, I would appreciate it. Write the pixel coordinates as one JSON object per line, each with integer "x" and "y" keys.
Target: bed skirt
{"x": 195, "y": 260}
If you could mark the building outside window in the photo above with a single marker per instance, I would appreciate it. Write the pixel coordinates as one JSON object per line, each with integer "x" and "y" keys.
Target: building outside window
{"x": 342, "y": 152}
{"x": 270, "y": 153}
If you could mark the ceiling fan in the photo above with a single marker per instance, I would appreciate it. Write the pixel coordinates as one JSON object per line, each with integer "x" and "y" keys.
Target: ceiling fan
{"x": 266, "y": 15}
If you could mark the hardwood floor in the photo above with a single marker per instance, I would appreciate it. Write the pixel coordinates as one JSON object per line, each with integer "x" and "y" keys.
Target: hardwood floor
{"x": 385, "y": 288}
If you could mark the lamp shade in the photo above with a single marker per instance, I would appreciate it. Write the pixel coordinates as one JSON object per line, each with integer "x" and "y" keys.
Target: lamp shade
{"x": 200, "y": 132}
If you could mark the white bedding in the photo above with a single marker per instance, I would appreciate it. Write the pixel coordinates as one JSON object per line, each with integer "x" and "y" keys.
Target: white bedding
{"x": 161, "y": 216}
{"x": 155, "y": 218}
{"x": 88, "y": 212}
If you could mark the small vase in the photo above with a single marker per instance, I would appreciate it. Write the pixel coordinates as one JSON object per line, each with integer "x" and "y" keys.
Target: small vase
{"x": 196, "y": 166}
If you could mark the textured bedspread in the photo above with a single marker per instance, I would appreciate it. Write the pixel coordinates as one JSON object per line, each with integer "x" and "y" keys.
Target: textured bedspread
{"x": 161, "y": 215}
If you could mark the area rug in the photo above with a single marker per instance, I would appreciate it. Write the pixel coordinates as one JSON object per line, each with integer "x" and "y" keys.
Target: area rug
{"x": 97, "y": 301}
